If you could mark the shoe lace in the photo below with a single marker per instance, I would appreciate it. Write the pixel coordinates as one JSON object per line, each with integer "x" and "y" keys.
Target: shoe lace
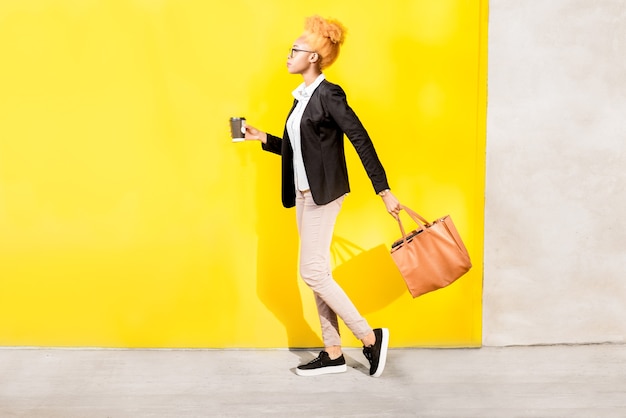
{"x": 367, "y": 352}
{"x": 316, "y": 359}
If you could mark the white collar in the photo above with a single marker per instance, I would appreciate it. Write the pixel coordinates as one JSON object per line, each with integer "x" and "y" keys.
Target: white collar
{"x": 304, "y": 92}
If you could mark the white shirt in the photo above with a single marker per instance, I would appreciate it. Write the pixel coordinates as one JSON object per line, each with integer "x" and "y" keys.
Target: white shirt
{"x": 302, "y": 93}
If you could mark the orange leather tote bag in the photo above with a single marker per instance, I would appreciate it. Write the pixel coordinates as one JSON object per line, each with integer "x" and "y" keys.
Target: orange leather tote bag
{"x": 430, "y": 257}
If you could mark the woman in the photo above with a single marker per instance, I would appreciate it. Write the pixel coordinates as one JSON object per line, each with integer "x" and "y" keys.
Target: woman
{"x": 315, "y": 180}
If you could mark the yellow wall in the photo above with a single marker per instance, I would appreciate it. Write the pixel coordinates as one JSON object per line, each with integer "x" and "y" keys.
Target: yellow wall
{"x": 129, "y": 219}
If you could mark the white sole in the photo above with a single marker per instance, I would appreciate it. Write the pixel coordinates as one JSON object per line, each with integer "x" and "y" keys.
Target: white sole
{"x": 322, "y": 370}
{"x": 382, "y": 360}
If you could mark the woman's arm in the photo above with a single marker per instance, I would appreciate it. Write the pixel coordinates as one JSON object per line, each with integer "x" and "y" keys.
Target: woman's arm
{"x": 335, "y": 102}
{"x": 254, "y": 134}
{"x": 350, "y": 124}
{"x": 391, "y": 203}
{"x": 269, "y": 142}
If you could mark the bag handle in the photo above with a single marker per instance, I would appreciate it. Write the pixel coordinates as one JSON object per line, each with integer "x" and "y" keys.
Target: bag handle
{"x": 419, "y": 220}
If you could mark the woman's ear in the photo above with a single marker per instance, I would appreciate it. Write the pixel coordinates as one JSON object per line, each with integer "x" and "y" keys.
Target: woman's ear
{"x": 314, "y": 57}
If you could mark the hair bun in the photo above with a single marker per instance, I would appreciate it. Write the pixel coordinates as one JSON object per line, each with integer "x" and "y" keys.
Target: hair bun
{"x": 327, "y": 28}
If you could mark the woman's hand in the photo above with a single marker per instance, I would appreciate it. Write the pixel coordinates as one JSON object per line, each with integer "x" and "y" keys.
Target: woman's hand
{"x": 392, "y": 204}
{"x": 253, "y": 134}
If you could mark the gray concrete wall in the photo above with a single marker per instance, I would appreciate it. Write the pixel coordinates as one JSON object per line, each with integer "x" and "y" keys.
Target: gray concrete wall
{"x": 555, "y": 238}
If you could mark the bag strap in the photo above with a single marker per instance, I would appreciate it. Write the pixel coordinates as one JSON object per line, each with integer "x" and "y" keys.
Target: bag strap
{"x": 417, "y": 218}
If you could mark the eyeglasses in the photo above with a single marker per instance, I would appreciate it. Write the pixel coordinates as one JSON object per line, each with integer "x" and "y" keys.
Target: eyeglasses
{"x": 293, "y": 51}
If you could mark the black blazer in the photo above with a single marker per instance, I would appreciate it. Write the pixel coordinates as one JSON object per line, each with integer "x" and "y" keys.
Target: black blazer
{"x": 326, "y": 119}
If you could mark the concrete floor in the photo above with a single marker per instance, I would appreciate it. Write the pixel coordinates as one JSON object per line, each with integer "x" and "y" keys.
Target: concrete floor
{"x": 551, "y": 381}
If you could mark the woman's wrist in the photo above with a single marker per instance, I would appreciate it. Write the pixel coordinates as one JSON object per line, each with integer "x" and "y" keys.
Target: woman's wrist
{"x": 382, "y": 193}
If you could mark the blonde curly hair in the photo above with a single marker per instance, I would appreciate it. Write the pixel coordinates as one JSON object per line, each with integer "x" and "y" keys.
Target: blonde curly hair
{"x": 324, "y": 36}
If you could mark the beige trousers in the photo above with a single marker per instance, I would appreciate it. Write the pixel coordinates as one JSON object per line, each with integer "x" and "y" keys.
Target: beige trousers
{"x": 316, "y": 225}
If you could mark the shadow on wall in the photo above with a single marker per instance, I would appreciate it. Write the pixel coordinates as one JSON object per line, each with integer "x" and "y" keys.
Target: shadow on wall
{"x": 369, "y": 277}
{"x": 278, "y": 288}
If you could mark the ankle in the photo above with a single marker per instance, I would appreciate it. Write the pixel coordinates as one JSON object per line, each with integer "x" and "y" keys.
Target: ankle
{"x": 333, "y": 352}
{"x": 369, "y": 340}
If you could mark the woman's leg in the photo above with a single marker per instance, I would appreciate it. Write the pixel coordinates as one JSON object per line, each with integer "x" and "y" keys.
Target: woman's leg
{"x": 316, "y": 225}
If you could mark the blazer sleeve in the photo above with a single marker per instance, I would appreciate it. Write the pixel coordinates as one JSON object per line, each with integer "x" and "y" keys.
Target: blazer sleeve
{"x": 337, "y": 105}
{"x": 273, "y": 144}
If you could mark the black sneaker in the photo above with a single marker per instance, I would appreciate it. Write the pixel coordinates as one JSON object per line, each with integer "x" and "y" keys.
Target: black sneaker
{"x": 322, "y": 365}
{"x": 377, "y": 353}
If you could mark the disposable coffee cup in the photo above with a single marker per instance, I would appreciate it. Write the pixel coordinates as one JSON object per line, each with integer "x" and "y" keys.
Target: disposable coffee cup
{"x": 238, "y": 129}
